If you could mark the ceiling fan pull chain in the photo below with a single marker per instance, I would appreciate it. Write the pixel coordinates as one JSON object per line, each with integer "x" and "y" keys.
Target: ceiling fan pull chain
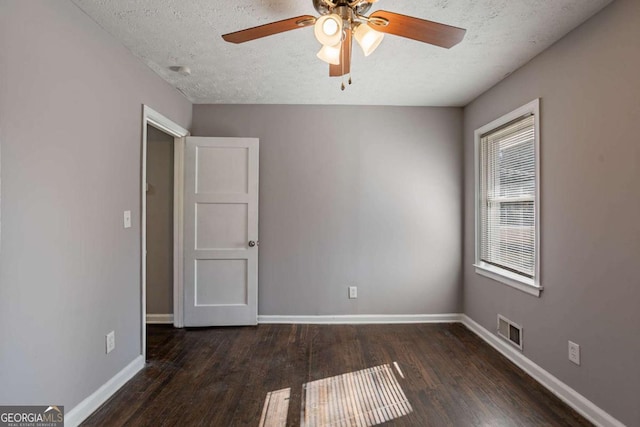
{"x": 342, "y": 56}
{"x": 349, "y": 53}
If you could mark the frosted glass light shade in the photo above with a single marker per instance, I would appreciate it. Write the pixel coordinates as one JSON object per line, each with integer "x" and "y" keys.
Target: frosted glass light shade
{"x": 368, "y": 38}
{"x": 330, "y": 54}
{"x": 328, "y": 29}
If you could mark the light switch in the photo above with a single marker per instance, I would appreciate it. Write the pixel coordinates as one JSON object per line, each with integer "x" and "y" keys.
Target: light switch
{"x": 127, "y": 219}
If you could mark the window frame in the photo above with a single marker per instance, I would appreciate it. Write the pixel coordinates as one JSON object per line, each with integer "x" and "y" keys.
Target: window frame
{"x": 530, "y": 286}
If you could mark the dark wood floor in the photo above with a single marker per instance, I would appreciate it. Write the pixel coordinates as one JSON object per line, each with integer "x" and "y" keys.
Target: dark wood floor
{"x": 220, "y": 376}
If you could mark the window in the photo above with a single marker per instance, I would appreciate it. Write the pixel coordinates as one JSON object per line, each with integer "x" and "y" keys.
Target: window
{"x": 507, "y": 226}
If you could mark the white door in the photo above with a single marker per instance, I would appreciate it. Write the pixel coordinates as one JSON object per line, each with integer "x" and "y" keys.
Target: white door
{"x": 221, "y": 231}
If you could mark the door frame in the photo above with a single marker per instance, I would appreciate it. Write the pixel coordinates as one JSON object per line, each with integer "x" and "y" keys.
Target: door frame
{"x": 164, "y": 124}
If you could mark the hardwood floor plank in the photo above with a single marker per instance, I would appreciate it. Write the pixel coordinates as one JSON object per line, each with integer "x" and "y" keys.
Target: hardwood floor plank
{"x": 221, "y": 376}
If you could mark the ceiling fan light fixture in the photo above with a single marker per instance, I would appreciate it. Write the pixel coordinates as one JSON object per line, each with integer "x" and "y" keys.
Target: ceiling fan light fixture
{"x": 368, "y": 38}
{"x": 330, "y": 54}
{"x": 328, "y": 29}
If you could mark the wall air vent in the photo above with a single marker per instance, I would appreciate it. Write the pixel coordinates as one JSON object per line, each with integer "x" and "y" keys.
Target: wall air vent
{"x": 510, "y": 331}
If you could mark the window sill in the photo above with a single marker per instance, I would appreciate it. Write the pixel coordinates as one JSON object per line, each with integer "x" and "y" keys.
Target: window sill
{"x": 508, "y": 278}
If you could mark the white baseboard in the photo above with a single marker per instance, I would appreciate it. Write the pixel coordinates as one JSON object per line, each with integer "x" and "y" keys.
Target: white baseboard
{"x": 85, "y": 408}
{"x": 581, "y": 404}
{"x": 160, "y": 319}
{"x": 361, "y": 319}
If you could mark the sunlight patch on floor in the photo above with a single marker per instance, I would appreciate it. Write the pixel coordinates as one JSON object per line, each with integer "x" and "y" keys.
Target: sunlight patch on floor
{"x": 363, "y": 398}
{"x": 276, "y": 406}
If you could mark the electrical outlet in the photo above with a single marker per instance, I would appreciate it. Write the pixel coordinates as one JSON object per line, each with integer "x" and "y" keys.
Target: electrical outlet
{"x": 353, "y": 292}
{"x": 111, "y": 341}
{"x": 574, "y": 353}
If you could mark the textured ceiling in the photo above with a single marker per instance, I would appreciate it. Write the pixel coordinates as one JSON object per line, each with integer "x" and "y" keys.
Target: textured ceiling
{"x": 502, "y": 35}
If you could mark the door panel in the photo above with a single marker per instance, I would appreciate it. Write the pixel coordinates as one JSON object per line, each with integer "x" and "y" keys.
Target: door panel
{"x": 222, "y": 225}
{"x": 216, "y": 281}
{"x": 221, "y": 217}
{"x": 222, "y": 170}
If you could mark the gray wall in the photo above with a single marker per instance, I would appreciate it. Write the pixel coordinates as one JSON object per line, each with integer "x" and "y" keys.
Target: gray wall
{"x": 590, "y": 210}
{"x": 159, "y": 222}
{"x": 366, "y": 196}
{"x": 70, "y": 130}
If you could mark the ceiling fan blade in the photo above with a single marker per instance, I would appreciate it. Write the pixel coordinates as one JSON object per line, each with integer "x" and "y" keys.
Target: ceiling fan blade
{"x": 269, "y": 29}
{"x": 345, "y": 58}
{"x": 418, "y": 29}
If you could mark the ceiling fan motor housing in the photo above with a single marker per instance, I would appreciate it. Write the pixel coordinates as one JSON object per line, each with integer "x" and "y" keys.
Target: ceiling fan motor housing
{"x": 325, "y": 7}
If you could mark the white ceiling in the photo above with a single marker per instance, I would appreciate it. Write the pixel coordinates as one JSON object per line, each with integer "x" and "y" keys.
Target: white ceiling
{"x": 502, "y": 35}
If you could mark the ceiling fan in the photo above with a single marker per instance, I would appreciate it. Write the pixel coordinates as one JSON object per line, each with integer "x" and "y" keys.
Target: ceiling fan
{"x": 342, "y": 20}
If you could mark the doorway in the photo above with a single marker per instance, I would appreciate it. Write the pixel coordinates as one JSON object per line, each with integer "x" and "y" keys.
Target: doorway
{"x": 161, "y": 224}
{"x": 159, "y": 230}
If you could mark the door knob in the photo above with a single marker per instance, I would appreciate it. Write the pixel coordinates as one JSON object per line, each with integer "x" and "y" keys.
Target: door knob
{"x": 251, "y": 243}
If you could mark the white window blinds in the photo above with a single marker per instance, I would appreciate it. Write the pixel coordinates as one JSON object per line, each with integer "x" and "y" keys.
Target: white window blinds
{"x": 507, "y": 197}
